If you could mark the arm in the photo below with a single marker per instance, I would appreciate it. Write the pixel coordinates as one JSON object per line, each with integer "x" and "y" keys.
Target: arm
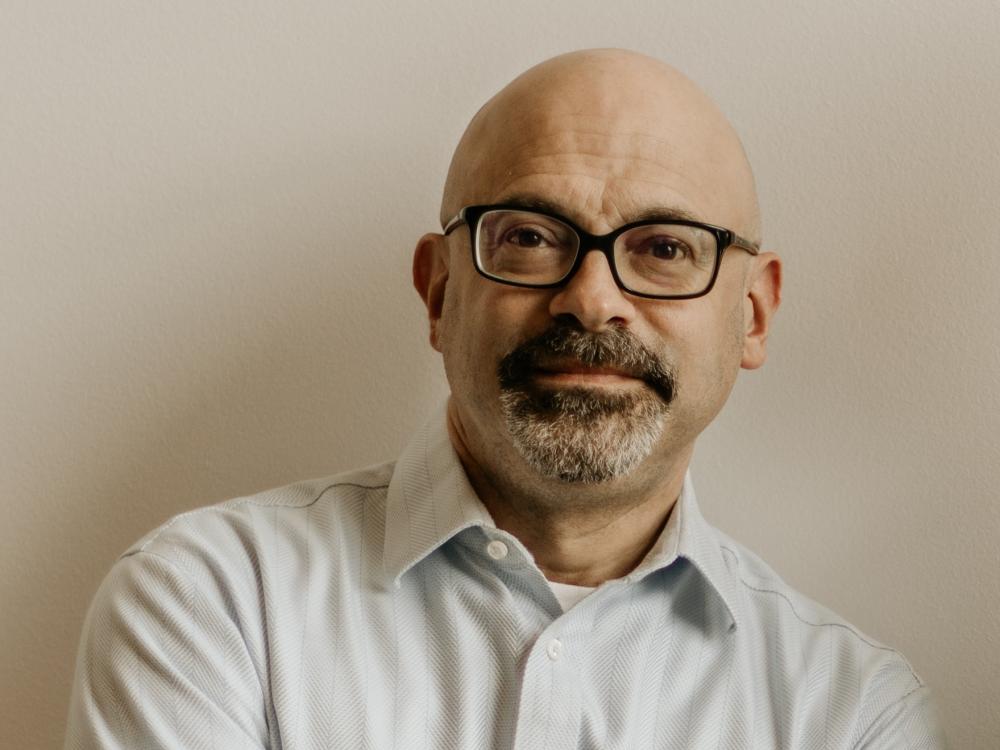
{"x": 910, "y": 723}
{"x": 162, "y": 664}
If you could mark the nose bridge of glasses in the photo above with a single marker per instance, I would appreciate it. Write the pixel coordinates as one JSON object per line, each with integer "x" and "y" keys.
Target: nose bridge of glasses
{"x": 588, "y": 245}
{"x": 592, "y": 292}
{"x": 600, "y": 243}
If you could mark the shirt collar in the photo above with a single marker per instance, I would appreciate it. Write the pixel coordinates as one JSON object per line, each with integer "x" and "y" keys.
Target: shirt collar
{"x": 430, "y": 500}
{"x": 689, "y": 536}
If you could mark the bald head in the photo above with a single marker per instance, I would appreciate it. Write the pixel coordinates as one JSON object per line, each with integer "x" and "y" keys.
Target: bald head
{"x": 600, "y": 138}
{"x": 605, "y": 132}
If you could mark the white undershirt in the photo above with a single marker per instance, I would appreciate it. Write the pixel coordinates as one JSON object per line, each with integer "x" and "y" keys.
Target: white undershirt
{"x": 569, "y": 595}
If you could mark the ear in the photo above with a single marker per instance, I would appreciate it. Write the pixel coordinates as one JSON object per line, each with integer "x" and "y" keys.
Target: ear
{"x": 762, "y": 300}
{"x": 430, "y": 275}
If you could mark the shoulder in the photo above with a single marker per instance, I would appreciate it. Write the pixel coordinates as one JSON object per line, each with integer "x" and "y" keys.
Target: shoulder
{"x": 224, "y": 561}
{"x": 186, "y": 620}
{"x": 241, "y": 524}
{"x": 818, "y": 661}
{"x": 235, "y": 551}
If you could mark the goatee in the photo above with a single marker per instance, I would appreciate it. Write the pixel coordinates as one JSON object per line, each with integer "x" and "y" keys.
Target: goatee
{"x": 582, "y": 434}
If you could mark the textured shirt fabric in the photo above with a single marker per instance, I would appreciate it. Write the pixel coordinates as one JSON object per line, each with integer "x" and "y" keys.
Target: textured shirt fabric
{"x": 383, "y": 609}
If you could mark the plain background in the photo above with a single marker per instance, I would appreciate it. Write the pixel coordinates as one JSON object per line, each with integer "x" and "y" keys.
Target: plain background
{"x": 208, "y": 212}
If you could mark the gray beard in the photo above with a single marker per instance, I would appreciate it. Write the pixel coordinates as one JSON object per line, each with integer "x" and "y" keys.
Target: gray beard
{"x": 579, "y": 435}
{"x": 584, "y": 434}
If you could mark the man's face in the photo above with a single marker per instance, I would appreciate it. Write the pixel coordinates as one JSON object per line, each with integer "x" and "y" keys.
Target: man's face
{"x": 586, "y": 382}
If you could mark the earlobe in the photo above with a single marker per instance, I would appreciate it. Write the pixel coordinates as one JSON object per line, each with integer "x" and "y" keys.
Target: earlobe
{"x": 430, "y": 276}
{"x": 763, "y": 299}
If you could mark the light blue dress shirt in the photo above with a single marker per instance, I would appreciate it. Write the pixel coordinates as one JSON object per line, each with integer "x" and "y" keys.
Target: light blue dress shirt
{"x": 383, "y": 609}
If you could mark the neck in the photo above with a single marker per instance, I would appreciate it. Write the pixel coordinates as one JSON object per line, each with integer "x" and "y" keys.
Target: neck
{"x": 584, "y": 550}
{"x": 581, "y": 534}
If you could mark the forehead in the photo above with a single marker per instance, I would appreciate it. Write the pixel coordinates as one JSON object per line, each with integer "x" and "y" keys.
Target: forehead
{"x": 652, "y": 213}
{"x": 601, "y": 169}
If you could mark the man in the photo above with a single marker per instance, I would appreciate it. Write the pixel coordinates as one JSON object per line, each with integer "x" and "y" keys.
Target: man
{"x": 533, "y": 572}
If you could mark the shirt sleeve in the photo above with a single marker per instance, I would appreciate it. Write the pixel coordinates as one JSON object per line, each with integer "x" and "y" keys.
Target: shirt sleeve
{"x": 911, "y": 723}
{"x": 162, "y": 664}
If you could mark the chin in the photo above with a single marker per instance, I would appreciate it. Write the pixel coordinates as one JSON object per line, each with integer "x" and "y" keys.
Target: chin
{"x": 583, "y": 435}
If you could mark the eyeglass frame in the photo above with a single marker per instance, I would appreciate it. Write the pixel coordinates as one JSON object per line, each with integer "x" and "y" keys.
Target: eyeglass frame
{"x": 605, "y": 243}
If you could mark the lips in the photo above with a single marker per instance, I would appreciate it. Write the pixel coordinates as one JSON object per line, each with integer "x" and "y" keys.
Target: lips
{"x": 567, "y": 352}
{"x": 579, "y": 368}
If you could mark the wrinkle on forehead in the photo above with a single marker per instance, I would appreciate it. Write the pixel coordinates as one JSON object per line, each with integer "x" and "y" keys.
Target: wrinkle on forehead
{"x": 600, "y": 179}
{"x": 606, "y": 126}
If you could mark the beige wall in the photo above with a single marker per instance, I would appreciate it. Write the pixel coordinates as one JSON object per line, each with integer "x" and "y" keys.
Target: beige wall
{"x": 206, "y": 217}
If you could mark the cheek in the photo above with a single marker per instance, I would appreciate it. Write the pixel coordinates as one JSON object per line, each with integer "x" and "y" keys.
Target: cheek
{"x": 729, "y": 349}
{"x": 468, "y": 336}
{"x": 738, "y": 323}
{"x": 706, "y": 343}
{"x": 459, "y": 315}
{"x": 495, "y": 318}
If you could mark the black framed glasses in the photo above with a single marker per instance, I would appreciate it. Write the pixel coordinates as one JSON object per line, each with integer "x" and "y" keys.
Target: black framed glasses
{"x": 656, "y": 258}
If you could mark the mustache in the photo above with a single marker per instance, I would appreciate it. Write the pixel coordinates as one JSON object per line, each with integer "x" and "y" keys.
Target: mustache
{"x": 615, "y": 348}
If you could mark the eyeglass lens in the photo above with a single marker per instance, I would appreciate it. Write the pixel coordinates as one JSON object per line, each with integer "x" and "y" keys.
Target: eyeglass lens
{"x": 535, "y": 249}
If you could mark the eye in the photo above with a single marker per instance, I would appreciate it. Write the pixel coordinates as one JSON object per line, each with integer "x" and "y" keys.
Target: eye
{"x": 664, "y": 248}
{"x": 525, "y": 237}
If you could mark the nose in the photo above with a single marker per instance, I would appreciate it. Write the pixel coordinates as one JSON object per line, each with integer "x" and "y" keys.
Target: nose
{"x": 592, "y": 296}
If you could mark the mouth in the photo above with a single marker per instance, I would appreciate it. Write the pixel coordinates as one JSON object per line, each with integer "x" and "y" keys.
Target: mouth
{"x": 564, "y": 359}
{"x": 576, "y": 373}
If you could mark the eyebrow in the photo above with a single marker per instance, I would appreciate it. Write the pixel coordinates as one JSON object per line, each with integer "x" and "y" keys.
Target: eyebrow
{"x": 654, "y": 213}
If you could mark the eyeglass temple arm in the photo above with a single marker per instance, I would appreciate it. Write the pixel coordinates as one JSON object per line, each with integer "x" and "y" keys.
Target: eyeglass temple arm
{"x": 455, "y": 221}
{"x": 751, "y": 247}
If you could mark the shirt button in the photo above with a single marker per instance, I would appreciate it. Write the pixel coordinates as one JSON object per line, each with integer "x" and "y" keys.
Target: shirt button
{"x": 496, "y": 549}
{"x": 554, "y": 649}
